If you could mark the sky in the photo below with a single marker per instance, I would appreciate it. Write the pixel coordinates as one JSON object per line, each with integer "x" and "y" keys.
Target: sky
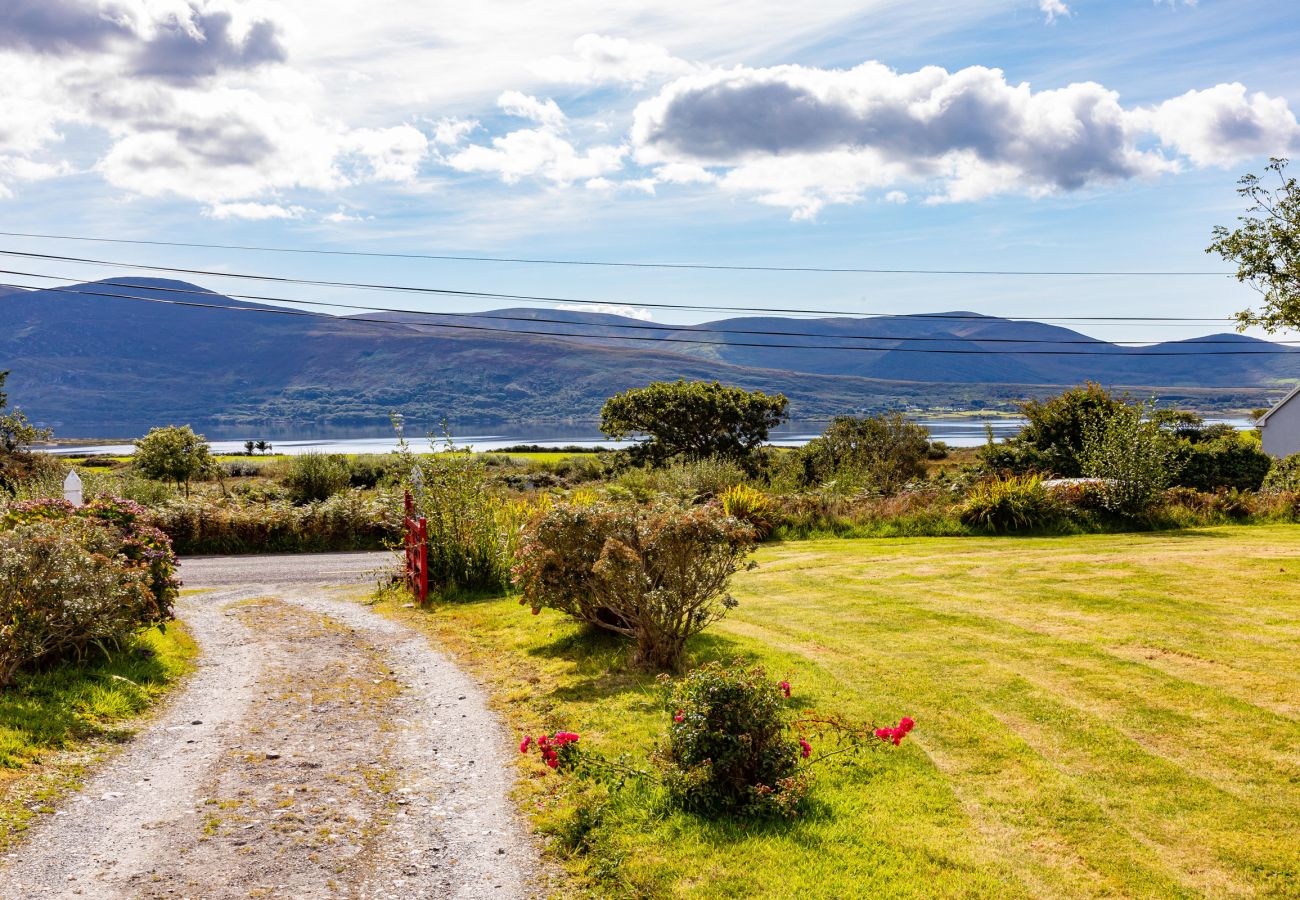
{"x": 1057, "y": 135}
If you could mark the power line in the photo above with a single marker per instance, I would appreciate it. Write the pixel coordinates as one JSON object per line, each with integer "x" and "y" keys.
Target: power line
{"x": 415, "y": 289}
{"x": 844, "y": 270}
{"x": 638, "y": 326}
{"x": 1119, "y": 354}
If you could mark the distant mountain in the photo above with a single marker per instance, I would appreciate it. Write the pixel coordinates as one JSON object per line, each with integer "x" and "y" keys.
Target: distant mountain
{"x": 82, "y": 360}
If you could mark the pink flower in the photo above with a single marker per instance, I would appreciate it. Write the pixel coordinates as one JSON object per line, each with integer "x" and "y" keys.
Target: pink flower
{"x": 552, "y": 762}
{"x": 906, "y": 724}
{"x": 785, "y": 688}
{"x": 679, "y": 718}
{"x": 884, "y": 733}
{"x": 805, "y": 748}
{"x": 524, "y": 744}
{"x": 898, "y": 734}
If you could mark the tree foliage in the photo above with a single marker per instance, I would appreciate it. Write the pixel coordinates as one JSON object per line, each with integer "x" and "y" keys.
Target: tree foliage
{"x": 173, "y": 453}
{"x": 883, "y": 452}
{"x": 16, "y": 433}
{"x": 1132, "y": 454}
{"x": 694, "y": 419}
{"x": 1266, "y": 248}
{"x": 1053, "y": 437}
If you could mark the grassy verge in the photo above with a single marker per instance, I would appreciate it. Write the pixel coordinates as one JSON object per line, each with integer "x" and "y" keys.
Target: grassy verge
{"x": 1098, "y": 715}
{"x": 53, "y": 724}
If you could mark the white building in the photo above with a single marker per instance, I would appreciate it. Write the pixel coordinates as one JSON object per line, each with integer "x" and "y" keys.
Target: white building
{"x": 1280, "y": 426}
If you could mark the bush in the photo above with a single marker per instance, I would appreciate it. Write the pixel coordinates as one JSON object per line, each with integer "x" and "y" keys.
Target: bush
{"x": 1284, "y": 476}
{"x": 879, "y": 452}
{"x": 349, "y": 520}
{"x": 1226, "y": 462}
{"x": 1052, "y": 440}
{"x": 1135, "y": 458}
{"x": 138, "y": 541}
{"x": 689, "y": 481}
{"x": 473, "y": 534}
{"x": 1010, "y": 504}
{"x": 730, "y": 750}
{"x": 316, "y": 476}
{"x": 751, "y": 506}
{"x": 65, "y": 586}
{"x": 373, "y": 471}
{"x": 174, "y": 454}
{"x": 657, "y": 575}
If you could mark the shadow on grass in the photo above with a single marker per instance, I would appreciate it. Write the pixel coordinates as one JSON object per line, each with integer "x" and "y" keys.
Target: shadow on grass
{"x": 50, "y": 708}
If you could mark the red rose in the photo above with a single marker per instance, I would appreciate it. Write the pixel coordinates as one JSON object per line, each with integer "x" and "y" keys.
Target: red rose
{"x": 805, "y": 748}
{"x": 906, "y": 724}
{"x": 785, "y": 688}
{"x": 523, "y": 745}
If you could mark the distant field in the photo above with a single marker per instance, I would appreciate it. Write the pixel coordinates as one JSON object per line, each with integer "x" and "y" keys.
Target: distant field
{"x": 1098, "y": 716}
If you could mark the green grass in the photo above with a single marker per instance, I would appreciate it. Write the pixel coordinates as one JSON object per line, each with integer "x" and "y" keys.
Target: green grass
{"x": 1098, "y": 716}
{"x": 78, "y": 707}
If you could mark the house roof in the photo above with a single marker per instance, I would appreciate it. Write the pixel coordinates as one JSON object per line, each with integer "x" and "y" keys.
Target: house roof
{"x": 1259, "y": 423}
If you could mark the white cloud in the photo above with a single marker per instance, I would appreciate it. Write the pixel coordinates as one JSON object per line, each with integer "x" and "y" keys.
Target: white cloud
{"x": 1224, "y": 125}
{"x": 256, "y": 212}
{"x": 390, "y": 154}
{"x": 538, "y": 151}
{"x": 612, "y": 309}
{"x": 599, "y": 59}
{"x": 1053, "y": 10}
{"x": 339, "y": 216}
{"x": 638, "y": 185}
{"x": 899, "y": 197}
{"x": 451, "y": 131}
{"x": 684, "y": 173}
{"x": 544, "y": 112}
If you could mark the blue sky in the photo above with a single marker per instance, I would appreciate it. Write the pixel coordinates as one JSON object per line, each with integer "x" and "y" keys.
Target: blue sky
{"x": 1027, "y": 134}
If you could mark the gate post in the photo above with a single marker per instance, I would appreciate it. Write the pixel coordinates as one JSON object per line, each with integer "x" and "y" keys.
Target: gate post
{"x": 415, "y": 538}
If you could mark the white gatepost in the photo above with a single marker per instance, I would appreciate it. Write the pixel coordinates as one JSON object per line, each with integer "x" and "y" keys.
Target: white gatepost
{"x": 72, "y": 488}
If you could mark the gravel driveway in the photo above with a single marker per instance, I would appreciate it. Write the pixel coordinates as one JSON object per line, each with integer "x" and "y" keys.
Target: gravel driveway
{"x": 321, "y": 750}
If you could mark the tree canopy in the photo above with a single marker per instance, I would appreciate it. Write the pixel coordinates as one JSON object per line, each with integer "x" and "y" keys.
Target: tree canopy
{"x": 1266, "y": 247}
{"x": 16, "y": 433}
{"x": 174, "y": 453}
{"x": 694, "y": 419}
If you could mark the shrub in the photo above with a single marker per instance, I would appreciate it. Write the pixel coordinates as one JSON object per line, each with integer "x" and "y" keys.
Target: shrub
{"x": 1226, "y": 462}
{"x": 316, "y": 476}
{"x": 1284, "y": 476}
{"x": 349, "y": 520}
{"x": 690, "y": 481}
{"x": 1135, "y": 458}
{"x": 730, "y": 750}
{"x": 138, "y": 541}
{"x": 657, "y": 575}
{"x": 1018, "y": 503}
{"x": 373, "y": 471}
{"x": 880, "y": 452}
{"x": 174, "y": 454}
{"x": 751, "y": 506}
{"x": 473, "y": 534}
{"x": 65, "y": 586}
{"x": 1052, "y": 440}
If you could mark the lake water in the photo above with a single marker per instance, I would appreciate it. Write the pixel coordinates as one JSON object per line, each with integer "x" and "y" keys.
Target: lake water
{"x": 964, "y": 432}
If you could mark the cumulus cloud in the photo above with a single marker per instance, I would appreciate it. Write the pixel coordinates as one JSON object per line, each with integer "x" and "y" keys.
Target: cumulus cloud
{"x": 544, "y": 112}
{"x": 800, "y": 137}
{"x": 599, "y": 59}
{"x": 538, "y": 152}
{"x": 257, "y": 212}
{"x": 61, "y": 26}
{"x": 1224, "y": 125}
{"x": 186, "y": 48}
{"x": 1053, "y": 10}
{"x": 450, "y": 131}
{"x": 389, "y": 154}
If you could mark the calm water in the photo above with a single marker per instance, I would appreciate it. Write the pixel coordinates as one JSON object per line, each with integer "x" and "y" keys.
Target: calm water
{"x": 955, "y": 432}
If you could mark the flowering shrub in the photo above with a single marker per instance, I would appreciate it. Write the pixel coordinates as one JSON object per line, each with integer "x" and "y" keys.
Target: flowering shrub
{"x": 138, "y": 541}
{"x": 657, "y": 575}
{"x": 732, "y": 747}
{"x": 65, "y": 585}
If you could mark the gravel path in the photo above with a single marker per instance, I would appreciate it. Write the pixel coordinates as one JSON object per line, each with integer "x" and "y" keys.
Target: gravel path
{"x": 321, "y": 750}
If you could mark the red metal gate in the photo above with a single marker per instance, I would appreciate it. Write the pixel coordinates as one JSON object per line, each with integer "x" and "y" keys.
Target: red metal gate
{"x": 415, "y": 537}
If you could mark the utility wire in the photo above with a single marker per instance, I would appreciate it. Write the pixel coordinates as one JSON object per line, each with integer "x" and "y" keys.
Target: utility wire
{"x": 1120, "y": 353}
{"x": 638, "y": 326}
{"x": 622, "y": 265}
{"x": 281, "y": 279}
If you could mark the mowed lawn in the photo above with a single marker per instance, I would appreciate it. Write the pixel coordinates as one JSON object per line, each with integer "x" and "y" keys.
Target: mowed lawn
{"x": 1100, "y": 715}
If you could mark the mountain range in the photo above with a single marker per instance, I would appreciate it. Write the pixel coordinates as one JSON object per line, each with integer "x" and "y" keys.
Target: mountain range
{"x": 90, "y": 356}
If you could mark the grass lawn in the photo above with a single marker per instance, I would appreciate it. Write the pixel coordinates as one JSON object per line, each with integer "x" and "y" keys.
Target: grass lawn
{"x": 77, "y": 707}
{"x": 1097, "y": 715}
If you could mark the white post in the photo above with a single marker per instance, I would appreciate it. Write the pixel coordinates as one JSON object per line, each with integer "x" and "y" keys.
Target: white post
{"x": 72, "y": 488}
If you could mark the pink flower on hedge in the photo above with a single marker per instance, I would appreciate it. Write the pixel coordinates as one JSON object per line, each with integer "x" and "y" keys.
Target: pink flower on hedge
{"x": 525, "y": 743}
{"x": 679, "y": 718}
{"x": 805, "y": 748}
{"x": 785, "y": 688}
{"x": 906, "y": 724}
{"x": 884, "y": 733}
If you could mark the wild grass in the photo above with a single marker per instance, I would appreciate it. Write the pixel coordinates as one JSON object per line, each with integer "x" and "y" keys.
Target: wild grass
{"x": 74, "y": 705}
{"x": 1098, "y": 716}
